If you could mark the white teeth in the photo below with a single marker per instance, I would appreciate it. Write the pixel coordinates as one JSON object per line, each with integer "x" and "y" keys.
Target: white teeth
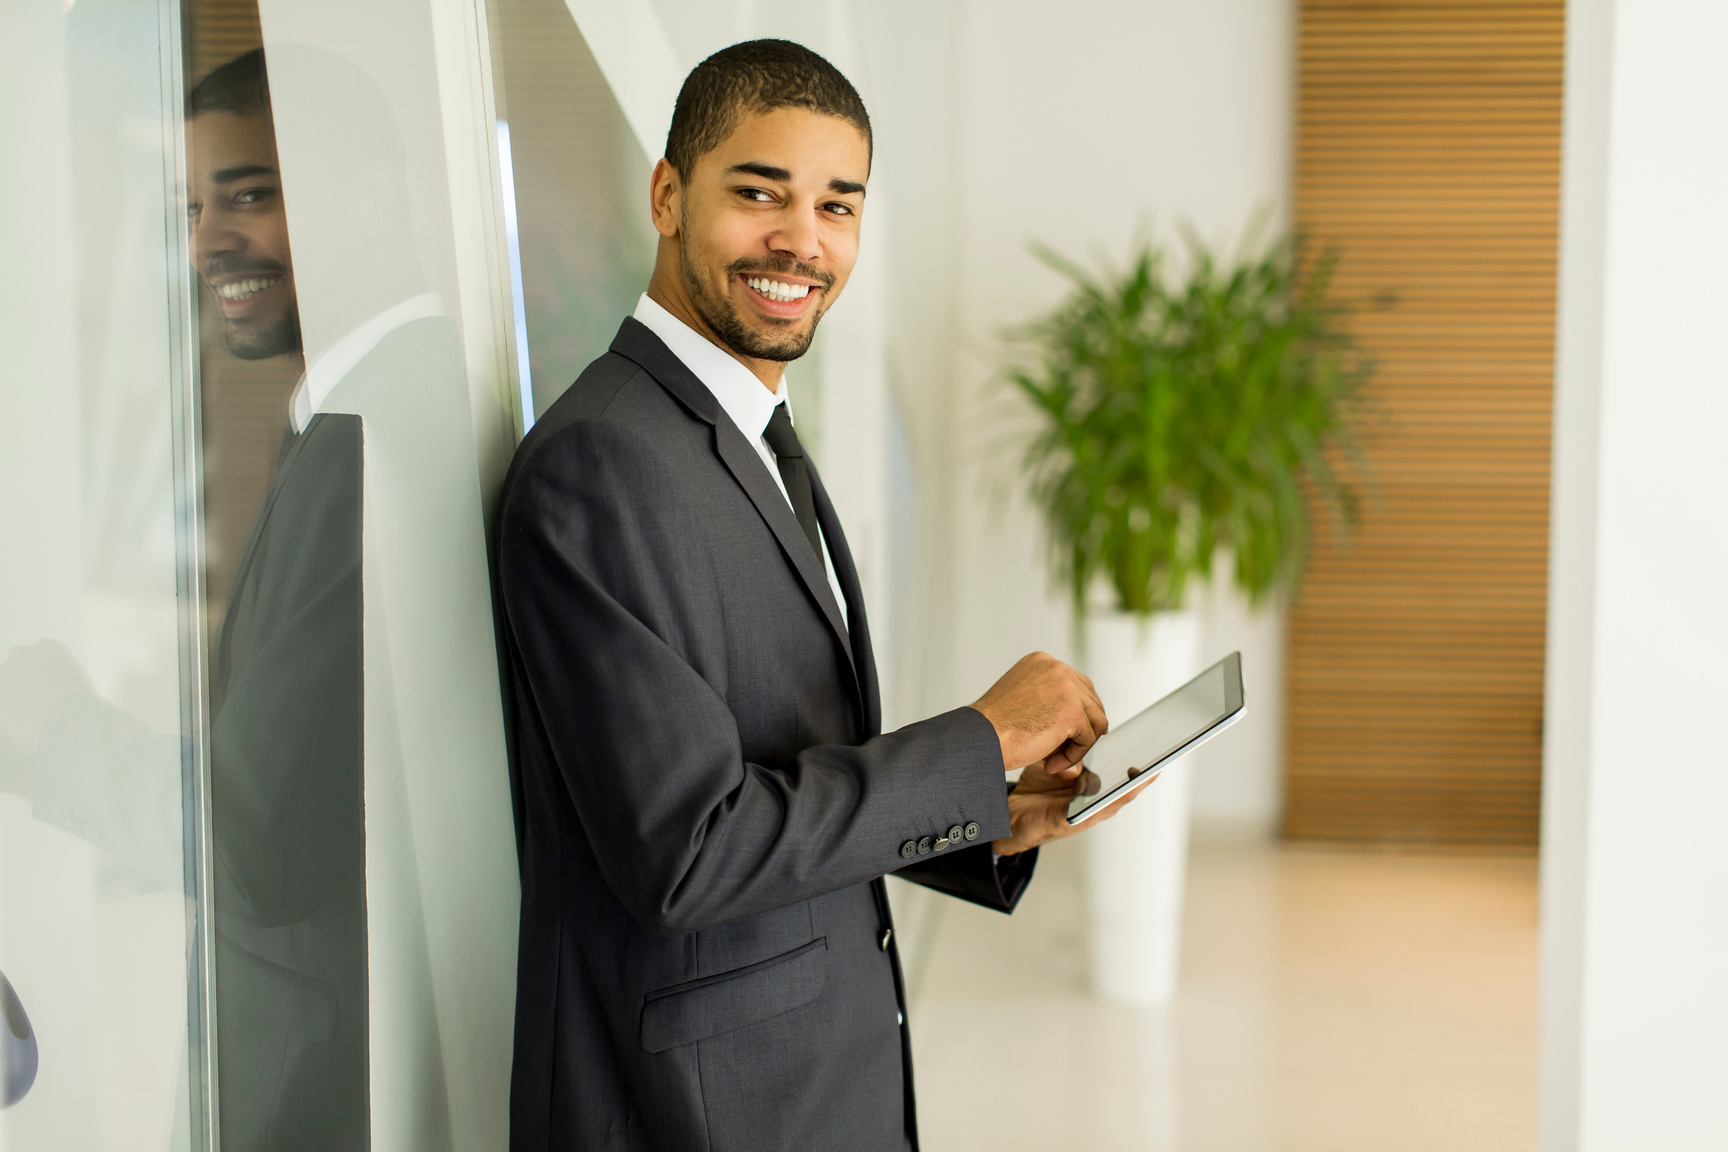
{"x": 777, "y": 290}
{"x": 245, "y": 289}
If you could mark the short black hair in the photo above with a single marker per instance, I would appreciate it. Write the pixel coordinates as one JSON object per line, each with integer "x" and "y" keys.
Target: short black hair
{"x": 240, "y": 87}
{"x": 755, "y": 76}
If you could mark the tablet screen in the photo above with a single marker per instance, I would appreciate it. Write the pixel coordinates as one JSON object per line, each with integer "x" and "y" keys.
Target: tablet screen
{"x": 1166, "y": 727}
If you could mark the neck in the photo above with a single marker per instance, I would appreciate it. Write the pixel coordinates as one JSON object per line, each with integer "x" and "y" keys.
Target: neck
{"x": 667, "y": 289}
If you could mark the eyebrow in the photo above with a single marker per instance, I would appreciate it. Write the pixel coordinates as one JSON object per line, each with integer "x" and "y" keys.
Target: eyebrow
{"x": 240, "y": 172}
{"x": 783, "y": 176}
{"x": 766, "y": 171}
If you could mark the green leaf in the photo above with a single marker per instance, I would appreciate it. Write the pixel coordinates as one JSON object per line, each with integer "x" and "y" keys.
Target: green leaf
{"x": 1183, "y": 415}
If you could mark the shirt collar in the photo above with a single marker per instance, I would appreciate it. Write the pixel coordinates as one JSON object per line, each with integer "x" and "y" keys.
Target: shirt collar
{"x": 739, "y": 391}
{"x": 339, "y": 359}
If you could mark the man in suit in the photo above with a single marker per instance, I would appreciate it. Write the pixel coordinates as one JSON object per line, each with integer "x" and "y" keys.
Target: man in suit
{"x": 709, "y": 803}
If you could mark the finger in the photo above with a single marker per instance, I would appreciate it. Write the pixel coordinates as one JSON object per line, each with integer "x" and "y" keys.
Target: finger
{"x": 1094, "y": 709}
{"x": 1064, "y": 762}
{"x": 1087, "y": 687}
{"x": 1052, "y": 822}
{"x": 1089, "y": 719}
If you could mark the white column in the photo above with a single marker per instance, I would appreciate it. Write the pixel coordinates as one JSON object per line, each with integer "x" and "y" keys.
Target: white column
{"x": 1635, "y": 854}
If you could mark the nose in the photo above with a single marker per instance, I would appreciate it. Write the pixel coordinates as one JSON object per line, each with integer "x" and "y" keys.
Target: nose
{"x": 212, "y": 233}
{"x": 797, "y": 236}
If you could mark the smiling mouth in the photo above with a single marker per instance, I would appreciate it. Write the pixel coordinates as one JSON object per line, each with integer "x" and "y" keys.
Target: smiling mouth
{"x": 778, "y": 291}
{"x": 240, "y": 291}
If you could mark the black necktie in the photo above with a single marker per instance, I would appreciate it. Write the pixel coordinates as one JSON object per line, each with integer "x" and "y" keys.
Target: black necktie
{"x": 794, "y": 473}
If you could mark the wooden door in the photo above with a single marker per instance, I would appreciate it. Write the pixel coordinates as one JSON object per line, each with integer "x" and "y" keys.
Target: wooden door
{"x": 1429, "y": 152}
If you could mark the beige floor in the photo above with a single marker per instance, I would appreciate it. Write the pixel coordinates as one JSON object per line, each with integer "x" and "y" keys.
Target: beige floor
{"x": 1332, "y": 1001}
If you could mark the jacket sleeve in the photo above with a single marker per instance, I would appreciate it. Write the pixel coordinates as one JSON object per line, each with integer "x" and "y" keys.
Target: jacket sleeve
{"x": 974, "y": 875}
{"x": 610, "y": 601}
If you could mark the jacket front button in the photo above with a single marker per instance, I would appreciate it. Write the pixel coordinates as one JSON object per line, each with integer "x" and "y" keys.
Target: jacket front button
{"x": 924, "y": 846}
{"x": 909, "y": 849}
{"x": 955, "y": 833}
{"x": 972, "y": 831}
{"x": 882, "y": 941}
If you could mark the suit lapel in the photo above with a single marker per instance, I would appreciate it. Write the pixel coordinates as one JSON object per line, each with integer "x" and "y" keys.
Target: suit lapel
{"x": 635, "y": 342}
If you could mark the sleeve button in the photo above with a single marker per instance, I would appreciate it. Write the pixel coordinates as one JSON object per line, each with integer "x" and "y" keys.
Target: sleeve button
{"x": 909, "y": 849}
{"x": 955, "y": 834}
{"x": 972, "y": 830}
{"x": 941, "y": 843}
{"x": 924, "y": 846}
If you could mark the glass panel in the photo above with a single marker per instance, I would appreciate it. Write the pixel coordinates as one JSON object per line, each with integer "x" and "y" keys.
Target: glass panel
{"x": 370, "y": 105}
{"x": 581, "y": 193}
{"x": 283, "y": 597}
{"x": 95, "y": 923}
{"x": 337, "y": 675}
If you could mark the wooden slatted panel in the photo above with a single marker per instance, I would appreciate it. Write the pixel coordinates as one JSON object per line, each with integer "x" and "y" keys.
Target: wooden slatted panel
{"x": 217, "y": 31}
{"x": 1428, "y": 150}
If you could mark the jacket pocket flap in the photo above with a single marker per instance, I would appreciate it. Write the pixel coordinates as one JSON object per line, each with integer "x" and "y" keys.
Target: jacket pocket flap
{"x": 686, "y": 1013}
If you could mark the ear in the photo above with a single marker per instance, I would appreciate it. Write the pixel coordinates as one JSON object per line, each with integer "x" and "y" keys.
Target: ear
{"x": 665, "y": 195}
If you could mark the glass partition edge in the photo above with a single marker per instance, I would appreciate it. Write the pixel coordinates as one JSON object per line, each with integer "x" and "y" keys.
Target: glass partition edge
{"x": 201, "y": 1066}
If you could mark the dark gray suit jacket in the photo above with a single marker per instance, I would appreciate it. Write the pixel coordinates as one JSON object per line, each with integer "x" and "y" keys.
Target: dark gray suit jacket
{"x": 287, "y": 797}
{"x": 707, "y": 803}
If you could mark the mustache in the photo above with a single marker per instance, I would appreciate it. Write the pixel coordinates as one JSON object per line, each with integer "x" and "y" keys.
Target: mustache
{"x": 225, "y": 264}
{"x": 784, "y": 267}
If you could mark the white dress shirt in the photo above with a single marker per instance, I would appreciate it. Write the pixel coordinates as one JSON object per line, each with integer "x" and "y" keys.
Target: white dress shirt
{"x": 741, "y": 395}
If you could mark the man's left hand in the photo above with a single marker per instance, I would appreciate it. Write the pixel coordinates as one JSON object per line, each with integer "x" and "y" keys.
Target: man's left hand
{"x": 1038, "y": 808}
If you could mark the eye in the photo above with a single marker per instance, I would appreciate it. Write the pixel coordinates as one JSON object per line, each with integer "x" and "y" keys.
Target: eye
{"x": 839, "y": 209}
{"x": 193, "y": 207}
{"x": 253, "y": 195}
{"x": 757, "y": 194}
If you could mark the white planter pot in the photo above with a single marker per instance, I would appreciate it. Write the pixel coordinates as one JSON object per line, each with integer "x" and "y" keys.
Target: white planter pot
{"x": 1137, "y": 860}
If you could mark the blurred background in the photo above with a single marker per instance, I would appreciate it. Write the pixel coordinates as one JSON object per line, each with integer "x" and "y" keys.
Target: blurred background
{"x": 1354, "y": 942}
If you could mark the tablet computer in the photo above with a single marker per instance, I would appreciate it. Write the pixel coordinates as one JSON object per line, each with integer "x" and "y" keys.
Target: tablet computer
{"x": 1131, "y": 754}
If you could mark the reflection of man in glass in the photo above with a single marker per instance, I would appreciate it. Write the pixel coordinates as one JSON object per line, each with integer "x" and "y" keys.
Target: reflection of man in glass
{"x": 238, "y": 219}
{"x": 285, "y": 701}
{"x": 286, "y": 737}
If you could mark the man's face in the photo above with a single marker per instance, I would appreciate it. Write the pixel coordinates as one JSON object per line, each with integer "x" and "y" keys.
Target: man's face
{"x": 240, "y": 233}
{"x": 768, "y": 228}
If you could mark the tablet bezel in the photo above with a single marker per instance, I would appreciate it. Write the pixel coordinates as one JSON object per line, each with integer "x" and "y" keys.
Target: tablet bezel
{"x": 1234, "y": 704}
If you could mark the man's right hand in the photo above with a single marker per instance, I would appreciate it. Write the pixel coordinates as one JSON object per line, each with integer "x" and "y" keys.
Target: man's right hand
{"x": 1044, "y": 713}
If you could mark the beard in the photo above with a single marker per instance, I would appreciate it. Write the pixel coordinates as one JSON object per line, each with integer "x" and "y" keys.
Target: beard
{"x": 279, "y": 337}
{"x": 261, "y": 337}
{"x": 723, "y": 318}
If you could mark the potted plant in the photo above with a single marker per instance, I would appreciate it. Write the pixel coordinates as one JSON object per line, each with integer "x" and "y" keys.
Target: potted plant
{"x": 1183, "y": 420}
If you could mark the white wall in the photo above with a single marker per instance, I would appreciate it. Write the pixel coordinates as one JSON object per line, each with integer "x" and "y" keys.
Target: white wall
{"x": 1003, "y": 122}
{"x": 1635, "y": 862}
